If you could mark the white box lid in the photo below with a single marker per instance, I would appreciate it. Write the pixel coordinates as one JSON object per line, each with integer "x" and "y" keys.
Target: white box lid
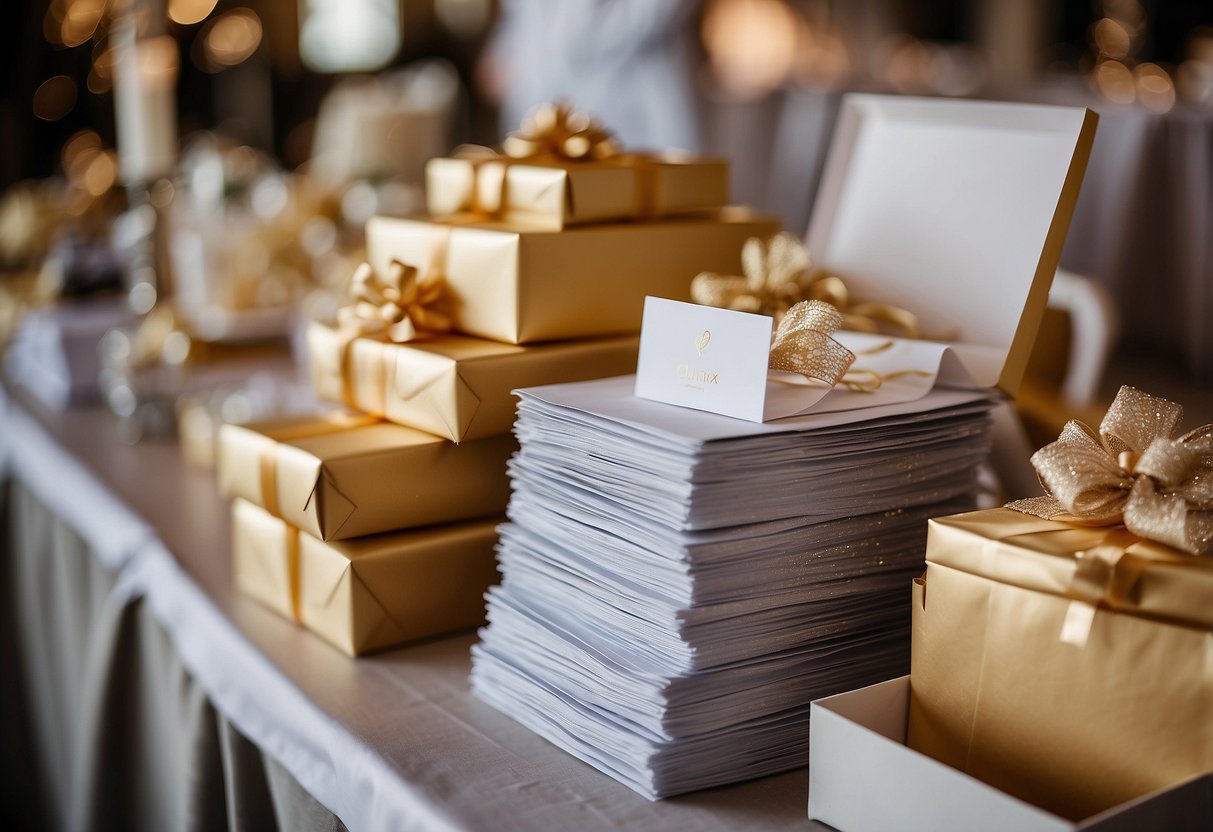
{"x": 957, "y": 211}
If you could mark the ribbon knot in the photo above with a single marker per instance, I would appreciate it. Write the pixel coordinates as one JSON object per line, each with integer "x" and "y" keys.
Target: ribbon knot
{"x": 778, "y": 274}
{"x": 559, "y": 131}
{"x": 1135, "y": 471}
{"x": 398, "y": 306}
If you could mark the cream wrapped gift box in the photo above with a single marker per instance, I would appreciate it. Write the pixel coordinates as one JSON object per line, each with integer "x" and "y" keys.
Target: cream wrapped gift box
{"x": 522, "y": 286}
{"x": 372, "y": 592}
{"x": 450, "y": 385}
{"x": 1045, "y": 671}
{"x": 336, "y": 482}
{"x": 554, "y": 194}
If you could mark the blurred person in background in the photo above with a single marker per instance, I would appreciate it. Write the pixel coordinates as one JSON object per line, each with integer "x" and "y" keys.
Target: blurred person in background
{"x": 629, "y": 63}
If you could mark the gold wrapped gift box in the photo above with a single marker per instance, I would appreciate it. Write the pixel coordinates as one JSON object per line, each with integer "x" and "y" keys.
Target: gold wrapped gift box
{"x": 336, "y": 481}
{"x": 370, "y": 593}
{"x": 1046, "y": 667}
{"x": 450, "y": 385}
{"x": 555, "y": 194}
{"x": 521, "y": 286}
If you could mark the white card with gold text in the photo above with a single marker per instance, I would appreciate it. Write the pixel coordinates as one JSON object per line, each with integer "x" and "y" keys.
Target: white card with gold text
{"x": 716, "y": 360}
{"x": 703, "y": 357}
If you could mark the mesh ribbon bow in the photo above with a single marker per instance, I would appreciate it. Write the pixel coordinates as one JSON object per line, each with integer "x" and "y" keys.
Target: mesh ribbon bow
{"x": 398, "y": 306}
{"x": 779, "y": 274}
{"x": 1132, "y": 471}
{"x": 803, "y": 345}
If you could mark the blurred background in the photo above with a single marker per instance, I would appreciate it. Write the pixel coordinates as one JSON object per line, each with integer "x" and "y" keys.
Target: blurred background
{"x": 279, "y": 126}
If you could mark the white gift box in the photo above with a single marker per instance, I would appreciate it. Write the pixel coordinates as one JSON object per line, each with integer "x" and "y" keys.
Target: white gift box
{"x": 864, "y": 778}
{"x": 956, "y": 211}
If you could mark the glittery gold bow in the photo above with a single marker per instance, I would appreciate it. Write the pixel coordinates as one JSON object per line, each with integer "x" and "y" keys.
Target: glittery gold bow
{"x": 1133, "y": 471}
{"x": 779, "y": 274}
{"x": 803, "y": 345}
{"x": 559, "y": 131}
{"x": 398, "y": 306}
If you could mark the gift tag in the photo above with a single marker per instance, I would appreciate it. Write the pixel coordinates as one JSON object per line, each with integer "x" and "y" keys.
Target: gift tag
{"x": 703, "y": 357}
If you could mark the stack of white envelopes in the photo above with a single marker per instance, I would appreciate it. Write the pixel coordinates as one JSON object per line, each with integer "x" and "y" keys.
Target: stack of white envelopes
{"x": 679, "y": 586}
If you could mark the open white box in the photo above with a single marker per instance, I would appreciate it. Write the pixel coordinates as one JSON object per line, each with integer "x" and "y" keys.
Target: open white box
{"x": 863, "y": 778}
{"x": 954, "y": 210}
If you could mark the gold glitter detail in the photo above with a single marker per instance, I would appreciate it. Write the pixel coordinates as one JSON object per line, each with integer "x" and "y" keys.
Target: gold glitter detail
{"x": 1133, "y": 471}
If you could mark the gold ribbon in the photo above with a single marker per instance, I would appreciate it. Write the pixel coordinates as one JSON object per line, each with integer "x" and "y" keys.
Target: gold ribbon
{"x": 560, "y": 132}
{"x": 803, "y": 345}
{"x": 398, "y": 306}
{"x": 1133, "y": 471}
{"x": 778, "y": 274}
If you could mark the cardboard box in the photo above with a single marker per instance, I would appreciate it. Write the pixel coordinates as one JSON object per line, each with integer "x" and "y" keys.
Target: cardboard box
{"x": 864, "y": 778}
{"x": 1062, "y": 664}
{"x": 956, "y": 211}
{"x": 522, "y": 286}
{"x": 337, "y": 481}
{"x": 549, "y": 193}
{"x": 372, "y": 592}
{"x": 453, "y": 386}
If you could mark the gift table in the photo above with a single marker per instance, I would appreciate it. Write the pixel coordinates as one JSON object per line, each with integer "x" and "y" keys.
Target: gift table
{"x": 143, "y": 693}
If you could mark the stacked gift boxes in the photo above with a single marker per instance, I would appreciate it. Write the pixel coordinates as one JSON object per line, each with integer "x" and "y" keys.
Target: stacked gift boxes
{"x": 378, "y": 529}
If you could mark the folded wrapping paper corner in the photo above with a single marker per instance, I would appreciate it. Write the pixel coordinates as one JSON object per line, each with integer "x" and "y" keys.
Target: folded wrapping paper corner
{"x": 385, "y": 590}
{"x": 555, "y": 194}
{"x": 343, "y": 482}
{"x": 519, "y": 285}
{"x": 265, "y": 558}
{"x": 370, "y": 593}
{"x": 453, "y": 386}
{"x": 1135, "y": 471}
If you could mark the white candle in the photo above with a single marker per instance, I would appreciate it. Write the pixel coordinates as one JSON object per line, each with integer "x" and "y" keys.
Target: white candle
{"x": 145, "y": 103}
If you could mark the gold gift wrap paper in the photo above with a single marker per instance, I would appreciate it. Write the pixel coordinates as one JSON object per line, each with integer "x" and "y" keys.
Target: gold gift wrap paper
{"x": 450, "y": 385}
{"x": 341, "y": 482}
{"x": 1069, "y": 666}
{"x": 555, "y": 194}
{"x": 372, "y": 592}
{"x": 265, "y": 558}
{"x": 521, "y": 286}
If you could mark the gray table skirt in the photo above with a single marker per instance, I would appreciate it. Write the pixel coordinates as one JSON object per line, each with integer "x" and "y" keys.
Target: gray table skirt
{"x": 103, "y": 726}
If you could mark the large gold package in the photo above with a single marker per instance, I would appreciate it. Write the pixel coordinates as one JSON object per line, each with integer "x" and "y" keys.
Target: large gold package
{"x": 1070, "y": 666}
{"x": 554, "y": 193}
{"x": 336, "y": 482}
{"x": 371, "y": 592}
{"x": 450, "y": 385}
{"x": 522, "y": 286}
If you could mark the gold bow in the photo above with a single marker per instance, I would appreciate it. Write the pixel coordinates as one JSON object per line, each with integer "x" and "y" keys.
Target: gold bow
{"x": 779, "y": 274}
{"x": 803, "y": 344}
{"x": 398, "y": 306}
{"x": 559, "y": 131}
{"x": 1133, "y": 471}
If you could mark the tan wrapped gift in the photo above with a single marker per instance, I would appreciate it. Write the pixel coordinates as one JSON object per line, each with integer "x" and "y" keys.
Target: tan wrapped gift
{"x": 371, "y": 592}
{"x": 451, "y": 385}
{"x": 265, "y": 558}
{"x": 554, "y": 194}
{"x": 521, "y": 286}
{"x": 1069, "y": 666}
{"x": 338, "y": 482}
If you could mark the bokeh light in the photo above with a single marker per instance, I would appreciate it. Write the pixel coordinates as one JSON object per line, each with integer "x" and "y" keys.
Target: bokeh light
{"x": 231, "y": 38}
{"x": 189, "y": 12}
{"x": 751, "y": 44}
{"x": 55, "y": 98}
